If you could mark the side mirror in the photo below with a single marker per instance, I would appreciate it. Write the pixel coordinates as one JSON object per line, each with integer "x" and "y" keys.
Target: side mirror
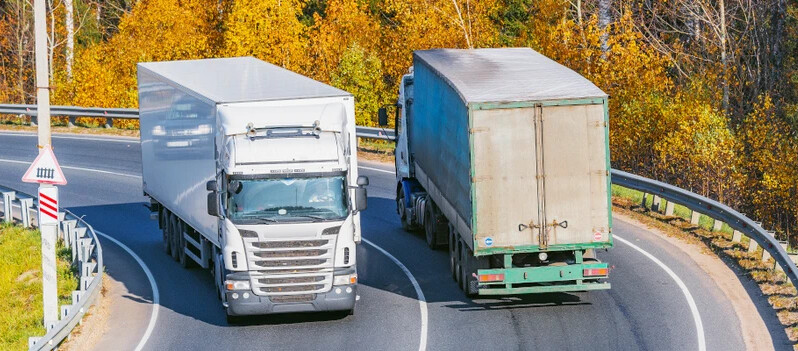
{"x": 210, "y": 185}
{"x": 382, "y": 117}
{"x": 361, "y": 197}
{"x": 362, "y": 181}
{"x": 213, "y": 204}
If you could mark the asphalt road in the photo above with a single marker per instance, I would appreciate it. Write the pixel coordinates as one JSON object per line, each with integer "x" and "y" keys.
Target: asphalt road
{"x": 644, "y": 310}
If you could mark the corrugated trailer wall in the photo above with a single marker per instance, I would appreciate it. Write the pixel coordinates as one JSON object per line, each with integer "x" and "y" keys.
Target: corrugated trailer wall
{"x": 438, "y": 136}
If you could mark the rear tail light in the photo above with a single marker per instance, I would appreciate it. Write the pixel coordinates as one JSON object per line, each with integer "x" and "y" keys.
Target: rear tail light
{"x": 595, "y": 272}
{"x": 486, "y": 278}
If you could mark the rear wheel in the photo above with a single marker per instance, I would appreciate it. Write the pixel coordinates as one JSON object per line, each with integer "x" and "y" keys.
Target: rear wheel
{"x": 467, "y": 281}
{"x": 164, "y": 218}
{"x": 174, "y": 244}
{"x": 453, "y": 254}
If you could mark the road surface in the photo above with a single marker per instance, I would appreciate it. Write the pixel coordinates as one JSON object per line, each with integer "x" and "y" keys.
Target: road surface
{"x": 645, "y": 309}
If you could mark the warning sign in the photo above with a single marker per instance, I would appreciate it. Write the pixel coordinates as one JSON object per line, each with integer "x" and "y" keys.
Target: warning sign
{"x": 45, "y": 169}
{"x": 48, "y": 205}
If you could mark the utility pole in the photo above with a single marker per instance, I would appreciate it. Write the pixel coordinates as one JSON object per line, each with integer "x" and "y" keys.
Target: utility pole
{"x": 49, "y": 289}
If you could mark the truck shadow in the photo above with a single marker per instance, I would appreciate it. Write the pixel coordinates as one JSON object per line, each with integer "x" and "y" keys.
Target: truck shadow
{"x": 521, "y": 301}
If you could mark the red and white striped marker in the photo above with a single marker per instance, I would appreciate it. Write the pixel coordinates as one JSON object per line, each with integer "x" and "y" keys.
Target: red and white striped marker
{"x": 48, "y": 205}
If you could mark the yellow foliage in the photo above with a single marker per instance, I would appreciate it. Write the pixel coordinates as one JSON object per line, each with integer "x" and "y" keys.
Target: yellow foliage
{"x": 269, "y": 30}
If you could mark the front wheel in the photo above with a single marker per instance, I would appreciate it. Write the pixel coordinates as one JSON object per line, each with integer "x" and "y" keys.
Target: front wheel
{"x": 402, "y": 210}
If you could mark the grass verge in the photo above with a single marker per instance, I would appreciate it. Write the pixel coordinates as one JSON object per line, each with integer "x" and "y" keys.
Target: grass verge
{"x": 775, "y": 286}
{"x": 21, "y": 285}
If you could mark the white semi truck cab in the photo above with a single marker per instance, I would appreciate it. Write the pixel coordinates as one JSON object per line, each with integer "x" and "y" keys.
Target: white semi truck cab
{"x": 252, "y": 170}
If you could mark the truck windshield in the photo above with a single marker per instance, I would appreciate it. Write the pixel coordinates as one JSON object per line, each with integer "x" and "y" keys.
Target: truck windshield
{"x": 288, "y": 199}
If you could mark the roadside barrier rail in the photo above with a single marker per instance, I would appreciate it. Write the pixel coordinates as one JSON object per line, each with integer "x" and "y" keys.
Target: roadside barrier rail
{"x": 721, "y": 213}
{"x": 698, "y": 204}
{"x": 73, "y": 112}
{"x": 87, "y": 259}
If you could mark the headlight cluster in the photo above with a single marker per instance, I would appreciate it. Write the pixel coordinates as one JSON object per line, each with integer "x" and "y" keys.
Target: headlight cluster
{"x": 348, "y": 279}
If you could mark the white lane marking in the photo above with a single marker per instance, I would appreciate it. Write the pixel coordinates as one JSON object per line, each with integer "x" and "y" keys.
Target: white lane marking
{"x": 79, "y": 169}
{"x": 376, "y": 169}
{"x": 156, "y": 299}
{"x": 422, "y": 301}
{"x": 59, "y": 136}
{"x": 699, "y": 325}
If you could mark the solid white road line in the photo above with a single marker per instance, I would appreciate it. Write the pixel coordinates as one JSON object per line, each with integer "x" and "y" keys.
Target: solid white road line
{"x": 699, "y": 325}
{"x": 112, "y": 139}
{"x": 376, "y": 169}
{"x": 78, "y": 169}
{"x": 156, "y": 299}
{"x": 422, "y": 301}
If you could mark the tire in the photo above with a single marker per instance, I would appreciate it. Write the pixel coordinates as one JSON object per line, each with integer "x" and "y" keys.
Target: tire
{"x": 173, "y": 237}
{"x": 164, "y": 218}
{"x": 429, "y": 225}
{"x": 219, "y": 275}
{"x": 400, "y": 207}
{"x": 457, "y": 263}
{"x": 453, "y": 254}
{"x": 466, "y": 280}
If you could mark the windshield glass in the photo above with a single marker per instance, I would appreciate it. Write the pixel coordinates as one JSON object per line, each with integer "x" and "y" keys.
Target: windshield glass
{"x": 287, "y": 199}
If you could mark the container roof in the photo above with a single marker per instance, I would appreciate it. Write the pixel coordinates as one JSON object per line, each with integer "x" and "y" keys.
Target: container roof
{"x": 240, "y": 79}
{"x": 507, "y": 75}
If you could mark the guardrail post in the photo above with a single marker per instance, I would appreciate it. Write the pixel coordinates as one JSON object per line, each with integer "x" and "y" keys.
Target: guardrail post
{"x": 655, "y": 203}
{"x": 784, "y": 246}
{"x": 109, "y": 122}
{"x": 33, "y": 121}
{"x": 716, "y": 227}
{"x": 737, "y": 237}
{"x": 71, "y": 121}
{"x": 8, "y": 198}
{"x": 765, "y": 254}
{"x": 752, "y": 246}
{"x": 695, "y": 217}
{"x": 643, "y": 202}
{"x": 68, "y": 226}
{"x": 25, "y": 205}
{"x": 669, "y": 208}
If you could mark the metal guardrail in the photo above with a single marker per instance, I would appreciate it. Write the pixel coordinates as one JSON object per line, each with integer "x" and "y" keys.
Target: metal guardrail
{"x": 73, "y": 112}
{"x": 718, "y": 211}
{"x": 695, "y": 202}
{"x": 87, "y": 257}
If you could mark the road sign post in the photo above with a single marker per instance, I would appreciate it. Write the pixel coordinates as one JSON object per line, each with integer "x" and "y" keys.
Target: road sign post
{"x": 48, "y": 168}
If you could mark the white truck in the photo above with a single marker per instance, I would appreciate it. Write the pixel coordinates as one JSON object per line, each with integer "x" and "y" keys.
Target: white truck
{"x": 251, "y": 171}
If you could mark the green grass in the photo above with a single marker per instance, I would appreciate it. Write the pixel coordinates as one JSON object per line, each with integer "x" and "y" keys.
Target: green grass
{"x": 704, "y": 221}
{"x": 21, "y": 285}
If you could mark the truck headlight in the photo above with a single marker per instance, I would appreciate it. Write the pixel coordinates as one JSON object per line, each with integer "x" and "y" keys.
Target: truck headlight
{"x": 348, "y": 279}
{"x": 158, "y": 131}
{"x": 237, "y": 284}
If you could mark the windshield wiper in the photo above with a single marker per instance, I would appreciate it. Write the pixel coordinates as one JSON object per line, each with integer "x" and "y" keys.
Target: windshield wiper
{"x": 261, "y": 220}
{"x": 315, "y": 218}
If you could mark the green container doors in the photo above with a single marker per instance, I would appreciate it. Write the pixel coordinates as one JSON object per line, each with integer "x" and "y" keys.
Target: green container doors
{"x": 540, "y": 177}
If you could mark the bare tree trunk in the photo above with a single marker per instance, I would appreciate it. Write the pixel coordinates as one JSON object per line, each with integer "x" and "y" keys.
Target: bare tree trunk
{"x": 723, "y": 56}
{"x": 604, "y": 22}
{"x": 70, "y": 40}
{"x": 51, "y": 41}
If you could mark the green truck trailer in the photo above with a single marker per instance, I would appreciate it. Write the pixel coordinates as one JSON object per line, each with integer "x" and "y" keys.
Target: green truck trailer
{"x": 502, "y": 157}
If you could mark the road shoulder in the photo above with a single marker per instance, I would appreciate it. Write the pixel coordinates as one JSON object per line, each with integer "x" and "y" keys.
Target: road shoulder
{"x": 751, "y": 322}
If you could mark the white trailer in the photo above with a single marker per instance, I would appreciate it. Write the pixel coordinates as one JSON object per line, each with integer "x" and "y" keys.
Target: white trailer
{"x": 252, "y": 173}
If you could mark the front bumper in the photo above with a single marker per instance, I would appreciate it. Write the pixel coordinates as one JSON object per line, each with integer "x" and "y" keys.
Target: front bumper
{"x": 339, "y": 298}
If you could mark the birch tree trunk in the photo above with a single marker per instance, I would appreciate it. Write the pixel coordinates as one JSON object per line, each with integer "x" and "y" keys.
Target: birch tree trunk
{"x": 69, "y": 23}
{"x": 604, "y": 22}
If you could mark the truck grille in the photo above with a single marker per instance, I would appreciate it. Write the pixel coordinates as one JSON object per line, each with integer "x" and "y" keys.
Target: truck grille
{"x": 291, "y": 267}
{"x": 293, "y": 298}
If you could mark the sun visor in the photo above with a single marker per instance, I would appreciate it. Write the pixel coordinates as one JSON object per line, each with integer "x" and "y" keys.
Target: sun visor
{"x": 324, "y": 148}
{"x": 236, "y": 117}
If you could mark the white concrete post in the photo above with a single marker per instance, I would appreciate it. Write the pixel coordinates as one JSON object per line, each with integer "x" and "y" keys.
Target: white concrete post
{"x": 695, "y": 217}
{"x": 717, "y": 226}
{"x": 669, "y": 208}
{"x": 737, "y": 236}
